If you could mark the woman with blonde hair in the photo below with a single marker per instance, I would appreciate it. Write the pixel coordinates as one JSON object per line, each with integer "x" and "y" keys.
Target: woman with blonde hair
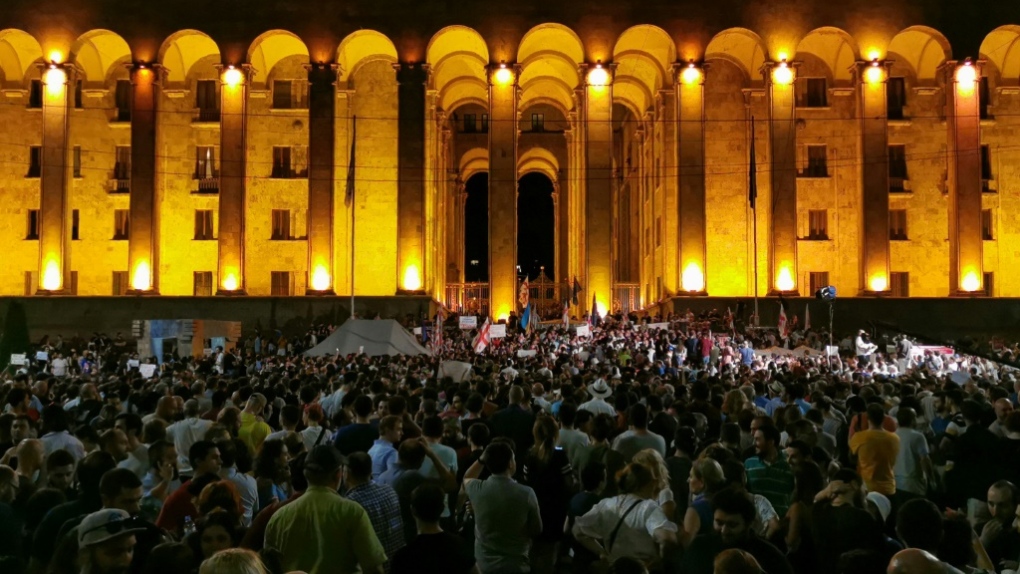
{"x": 233, "y": 561}
{"x": 733, "y": 402}
{"x": 706, "y": 479}
{"x": 653, "y": 461}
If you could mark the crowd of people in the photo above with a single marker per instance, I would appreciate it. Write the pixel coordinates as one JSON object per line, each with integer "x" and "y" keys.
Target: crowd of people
{"x": 636, "y": 448}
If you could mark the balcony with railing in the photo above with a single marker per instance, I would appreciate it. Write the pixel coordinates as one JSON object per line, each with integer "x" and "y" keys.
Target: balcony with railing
{"x": 468, "y": 298}
{"x": 207, "y": 185}
{"x": 207, "y": 116}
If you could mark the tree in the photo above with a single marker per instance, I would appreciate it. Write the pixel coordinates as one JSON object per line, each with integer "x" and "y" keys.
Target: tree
{"x": 14, "y": 338}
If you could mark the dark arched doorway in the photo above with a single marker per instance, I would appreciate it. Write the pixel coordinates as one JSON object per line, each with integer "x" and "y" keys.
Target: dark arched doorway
{"x": 476, "y": 229}
{"x": 536, "y": 220}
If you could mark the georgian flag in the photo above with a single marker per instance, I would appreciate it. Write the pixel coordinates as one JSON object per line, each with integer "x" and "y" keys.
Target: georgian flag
{"x": 482, "y": 339}
{"x": 783, "y": 324}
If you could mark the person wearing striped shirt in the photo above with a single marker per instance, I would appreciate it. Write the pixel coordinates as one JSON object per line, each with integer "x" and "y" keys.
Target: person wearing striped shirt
{"x": 768, "y": 472}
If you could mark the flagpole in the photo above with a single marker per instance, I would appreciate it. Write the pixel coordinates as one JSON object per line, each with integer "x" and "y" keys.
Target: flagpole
{"x": 754, "y": 219}
{"x": 351, "y": 178}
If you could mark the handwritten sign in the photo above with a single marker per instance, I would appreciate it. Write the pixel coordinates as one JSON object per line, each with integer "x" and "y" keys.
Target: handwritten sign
{"x": 583, "y": 331}
{"x": 470, "y": 322}
{"x": 147, "y": 370}
{"x": 133, "y": 363}
{"x": 497, "y": 331}
{"x": 526, "y": 353}
{"x": 42, "y": 356}
{"x": 19, "y": 359}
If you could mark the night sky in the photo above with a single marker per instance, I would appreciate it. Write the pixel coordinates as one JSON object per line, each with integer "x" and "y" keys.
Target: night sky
{"x": 535, "y": 232}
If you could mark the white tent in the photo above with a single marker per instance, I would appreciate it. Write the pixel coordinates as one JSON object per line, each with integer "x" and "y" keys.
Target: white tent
{"x": 371, "y": 337}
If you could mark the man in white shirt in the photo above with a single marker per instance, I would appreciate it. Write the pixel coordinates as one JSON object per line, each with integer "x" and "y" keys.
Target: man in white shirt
{"x": 1003, "y": 408}
{"x": 58, "y": 366}
{"x": 56, "y": 436}
{"x": 571, "y": 439}
{"x": 913, "y": 465}
{"x": 600, "y": 391}
{"x": 863, "y": 349}
{"x": 314, "y": 433}
{"x": 432, "y": 430}
{"x": 186, "y": 433}
{"x": 290, "y": 416}
{"x": 538, "y": 398}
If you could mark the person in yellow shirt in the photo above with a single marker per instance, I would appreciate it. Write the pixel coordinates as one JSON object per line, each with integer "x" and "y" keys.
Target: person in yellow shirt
{"x": 876, "y": 450}
{"x": 254, "y": 430}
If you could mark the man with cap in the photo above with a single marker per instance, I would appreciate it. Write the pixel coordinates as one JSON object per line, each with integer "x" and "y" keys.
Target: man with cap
{"x": 599, "y": 391}
{"x": 863, "y": 348}
{"x": 106, "y": 540}
{"x": 321, "y": 531}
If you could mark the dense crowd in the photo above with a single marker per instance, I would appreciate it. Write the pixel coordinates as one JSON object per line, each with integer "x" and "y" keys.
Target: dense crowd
{"x": 681, "y": 447}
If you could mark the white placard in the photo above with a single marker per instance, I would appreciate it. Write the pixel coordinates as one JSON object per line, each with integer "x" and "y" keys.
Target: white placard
{"x": 42, "y": 356}
{"x": 132, "y": 363}
{"x": 960, "y": 377}
{"x": 832, "y": 350}
{"x": 207, "y": 352}
{"x": 147, "y": 370}
{"x": 583, "y": 331}
{"x": 417, "y": 331}
{"x": 470, "y": 322}
{"x": 526, "y": 353}
{"x": 18, "y": 359}
{"x": 497, "y": 331}
{"x": 657, "y": 326}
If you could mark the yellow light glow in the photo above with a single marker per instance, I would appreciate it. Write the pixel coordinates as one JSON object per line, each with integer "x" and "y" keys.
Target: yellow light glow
{"x": 783, "y": 55}
{"x": 784, "y": 281}
{"x": 230, "y": 282}
{"x": 874, "y": 54}
{"x": 878, "y": 283}
{"x": 53, "y": 280}
{"x": 966, "y": 75}
{"x": 504, "y": 75}
{"x": 56, "y": 56}
{"x": 598, "y": 76}
{"x": 141, "y": 279}
{"x": 970, "y": 282}
{"x": 690, "y": 75}
{"x": 603, "y": 307}
{"x": 55, "y": 78}
{"x": 503, "y": 313}
{"x": 782, "y": 74}
{"x": 320, "y": 278}
{"x": 874, "y": 74}
{"x": 693, "y": 279}
{"x": 412, "y": 278}
{"x": 232, "y": 77}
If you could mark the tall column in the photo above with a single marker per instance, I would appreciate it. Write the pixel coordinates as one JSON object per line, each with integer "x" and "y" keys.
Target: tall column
{"x": 874, "y": 126}
{"x": 322, "y": 80}
{"x": 55, "y": 180}
{"x": 233, "y": 187}
{"x": 557, "y": 232}
{"x": 563, "y": 274}
{"x": 411, "y": 169}
{"x": 690, "y": 97}
{"x": 598, "y": 212}
{"x": 502, "y": 190}
{"x": 779, "y": 92}
{"x": 143, "y": 240}
{"x": 963, "y": 118}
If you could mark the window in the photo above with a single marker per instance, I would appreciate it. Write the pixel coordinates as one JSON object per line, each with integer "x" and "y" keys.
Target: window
{"x": 120, "y": 283}
{"x": 538, "y": 122}
{"x": 989, "y": 284}
{"x": 281, "y": 224}
{"x": 203, "y": 284}
{"x": 35, "y": 94}
{"x": 122, "y": 168}
{"x": 73, "y": 288}
{"x": 812, "y": 93}
{"x": 897, "y": 168}
{"x": 986, "y": 168}
{"x": 658, "y": 231}
{"x": 289, "y": 94}
{"x": 34, "y": 161}
{"x": 121, "y": 224}
{"x": 207, "y": 101}
{"x": 984, "y": 99}
{"x": 987, "y": 225}
{"x": 77, "y": 161}
{"x": 485, "y": 123}
{"x": 280, "y": 284}
{"x": 900, "y": 283}
{"x": 77, "y": 95}
{"x": 896, "y": 97}
{"x": 203, "y": 224}
{"x": 30, "y": 285}
{"x": 281, "y": 162}
{"x": 75, "y": 225}
{"x": 205, "y": 169}
{"x": 33, "y": 224}
{"x": 122, "y": 100}
{"x": 816, "y": 167}
{"x": 898, "y": 224}
{"x": 818, "y": 224}
{"x": 817, "y": 280}
{"x": 470, "y": 123}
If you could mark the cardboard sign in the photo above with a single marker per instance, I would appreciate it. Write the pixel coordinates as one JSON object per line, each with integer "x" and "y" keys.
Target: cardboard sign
{"x": 417, "y": 331}
{"x": 526, "y": 353}
{"x": 147, "y": 370}
{"x": 497, "y": 331}
{"x": 583, "y": 331}
{"x": 19, "y": 359}
{"x": 657, "y": 326}
{"x": 832, "y": 350}
{"x": 469, "y": 322}
{"x": 132, "y": 363}
{"x": 42, "y": 356}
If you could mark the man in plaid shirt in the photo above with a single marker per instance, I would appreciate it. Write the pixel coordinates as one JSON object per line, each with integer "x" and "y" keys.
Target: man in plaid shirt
{"x": 379, "y": 501}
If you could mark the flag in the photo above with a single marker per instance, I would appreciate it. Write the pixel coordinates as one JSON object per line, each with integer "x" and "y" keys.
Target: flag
{"x": 566, "y": 314}
{"x": 424, "y": 331}
{"x": 524, "y": 295}
{"x": 783, "y": 333}
{"x": 437, "y": 335}
{"x": 349, "y": 190}
{"x": 526, "y": 318}
{"x": 533, "y": 325}
{"x": 482, "y": 339}
{"x": 807, "y": 317}
{"x": 752, "y": 184}
{"x": 576, "y": 289}
{"x": 729, "y": 319}
{"x": 594, "y": 316}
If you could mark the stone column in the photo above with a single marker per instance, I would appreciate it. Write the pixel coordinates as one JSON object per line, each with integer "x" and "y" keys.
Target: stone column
{"x": 873, "y": 112}
{"x": 557, "y": 232}
{"x": 233, "y": 187}
{"x": 55, "y": 180}
{"x": 780, "y": 97}
{"x": 411, "y": 169}
{"x": 322, "y": 79}
{"x": 690, "y": 98}
{"x": 963, "y": 120}
{"x": 143, "y": 240}
{"x": 598, "y": 212}
{"x": 503, "y": 95}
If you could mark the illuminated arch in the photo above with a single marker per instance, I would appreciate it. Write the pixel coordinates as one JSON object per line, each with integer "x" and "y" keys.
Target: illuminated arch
{"x": 97, "y": 52}
{"x": 473, "y": 162}
{"x": 18, "y": 52}
{"x": 550, "y": 55}
{"x": 922, "y": 49}
{"x": 548, "y": 90}
{"x": 836, "y": 48}
{"x": 458, "y": 56}
{"x": 182, "y": 50}
{"x": 272, "y": 47}
{"x": 540, "y": 160}
{"x": 362, "y": 47}
{"x": 1002, "y": 49}
{"x": 643, "y": 56}
{"x": 741, "y": 47}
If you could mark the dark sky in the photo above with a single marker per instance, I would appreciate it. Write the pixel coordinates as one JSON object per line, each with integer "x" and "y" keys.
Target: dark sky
{"x": 535, "y": 234}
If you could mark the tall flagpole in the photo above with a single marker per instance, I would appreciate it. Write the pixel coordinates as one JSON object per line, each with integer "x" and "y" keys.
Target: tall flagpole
{"x": 349, "y": 200}
{"x": 753, "y": 194}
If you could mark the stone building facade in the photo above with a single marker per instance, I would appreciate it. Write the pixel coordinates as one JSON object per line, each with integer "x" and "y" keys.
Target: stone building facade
{"x": 143, "y": 156}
